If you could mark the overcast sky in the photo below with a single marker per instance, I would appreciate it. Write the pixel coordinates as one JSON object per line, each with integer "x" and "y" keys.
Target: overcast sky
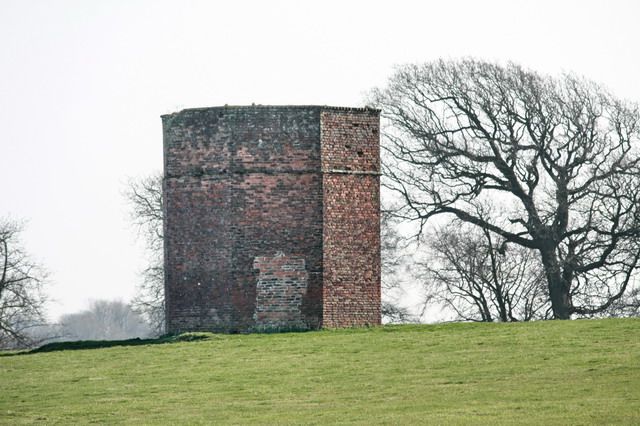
{"x": 83, "y": 85}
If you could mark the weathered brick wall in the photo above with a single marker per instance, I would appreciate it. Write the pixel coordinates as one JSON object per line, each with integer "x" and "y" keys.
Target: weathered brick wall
{"x": 245, "y": 223}
{"x": 351, "y": 217}
{"x": 282, "y": 283}
{"x": 240, "y": 183}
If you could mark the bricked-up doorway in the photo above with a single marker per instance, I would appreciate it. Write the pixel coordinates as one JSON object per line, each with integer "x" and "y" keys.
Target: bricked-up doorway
{"x": 281, "y": 286}
{"x": 271, "y": 218}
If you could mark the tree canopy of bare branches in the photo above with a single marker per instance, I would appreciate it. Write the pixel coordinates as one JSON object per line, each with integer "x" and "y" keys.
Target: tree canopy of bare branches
{"x": 469, "y": 272}
{"x": 145, "y": 199}
{"x": 104, "y": 320}
{"x": 559, "y": 156}
{"x": 393, "y": 259}
{"x": 21, "y": 282}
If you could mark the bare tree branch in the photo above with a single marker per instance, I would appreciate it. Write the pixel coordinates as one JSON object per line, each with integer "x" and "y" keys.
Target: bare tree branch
{"x": 21, "y": 296}
{"x": 145, "y": 199}
{"x": 559, "y": 156}
{"x": 471, "y": 272}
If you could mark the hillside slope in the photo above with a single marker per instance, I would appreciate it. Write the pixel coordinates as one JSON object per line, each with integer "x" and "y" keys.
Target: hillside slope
{"x": 571, "y": 372}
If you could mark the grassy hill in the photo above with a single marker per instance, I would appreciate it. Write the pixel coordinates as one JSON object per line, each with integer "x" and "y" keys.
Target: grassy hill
{"x": 571, "y": 372}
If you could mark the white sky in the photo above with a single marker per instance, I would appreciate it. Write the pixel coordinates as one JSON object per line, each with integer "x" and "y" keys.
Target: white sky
{"x": 83, "y": 83}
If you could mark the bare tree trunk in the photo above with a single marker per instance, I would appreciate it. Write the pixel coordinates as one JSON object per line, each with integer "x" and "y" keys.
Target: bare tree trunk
{"x": 463, "y": 136}
{"x": 558, "y": 288}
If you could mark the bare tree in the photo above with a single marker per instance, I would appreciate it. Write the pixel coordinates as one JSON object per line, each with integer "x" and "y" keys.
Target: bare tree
{"x": 149, "y": 300}
{"x": 21, "y": 282}
{"x": 626, "y": 306}
{"x": 560, "y": 156}
{"x": 393, "y": 260}
{"x": 469, "y": 271}
{"x": 145, "y": 198}
{"x": 104, "y": 320}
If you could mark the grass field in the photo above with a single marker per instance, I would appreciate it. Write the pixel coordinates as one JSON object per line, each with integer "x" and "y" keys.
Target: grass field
{"x": 570, "y": 372}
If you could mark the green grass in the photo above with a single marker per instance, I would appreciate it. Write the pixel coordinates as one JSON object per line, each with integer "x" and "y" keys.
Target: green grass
{"x": 570, "y": 372}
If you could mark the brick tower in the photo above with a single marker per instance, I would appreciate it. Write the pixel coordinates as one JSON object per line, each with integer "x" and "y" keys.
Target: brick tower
{"x": 271, "y": 218}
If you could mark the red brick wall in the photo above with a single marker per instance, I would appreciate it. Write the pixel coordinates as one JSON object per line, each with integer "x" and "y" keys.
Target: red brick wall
{"x": 243, "y": 191}
{"x": 351, "y": 217}
{"x": 282, "y": 284}
{"x": 241, "y": 183}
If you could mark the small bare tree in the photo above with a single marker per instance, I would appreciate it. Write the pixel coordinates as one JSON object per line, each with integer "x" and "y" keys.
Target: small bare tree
{"x": 21, "y": 295}
{"x": 104, "y": 320}
{"x": 472, "y": 272}
{"x": 627, "y": 306}
{"x": 145, "y": 198}
{"x": 393, "y": 259}
{"x": 560, "y": 156}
